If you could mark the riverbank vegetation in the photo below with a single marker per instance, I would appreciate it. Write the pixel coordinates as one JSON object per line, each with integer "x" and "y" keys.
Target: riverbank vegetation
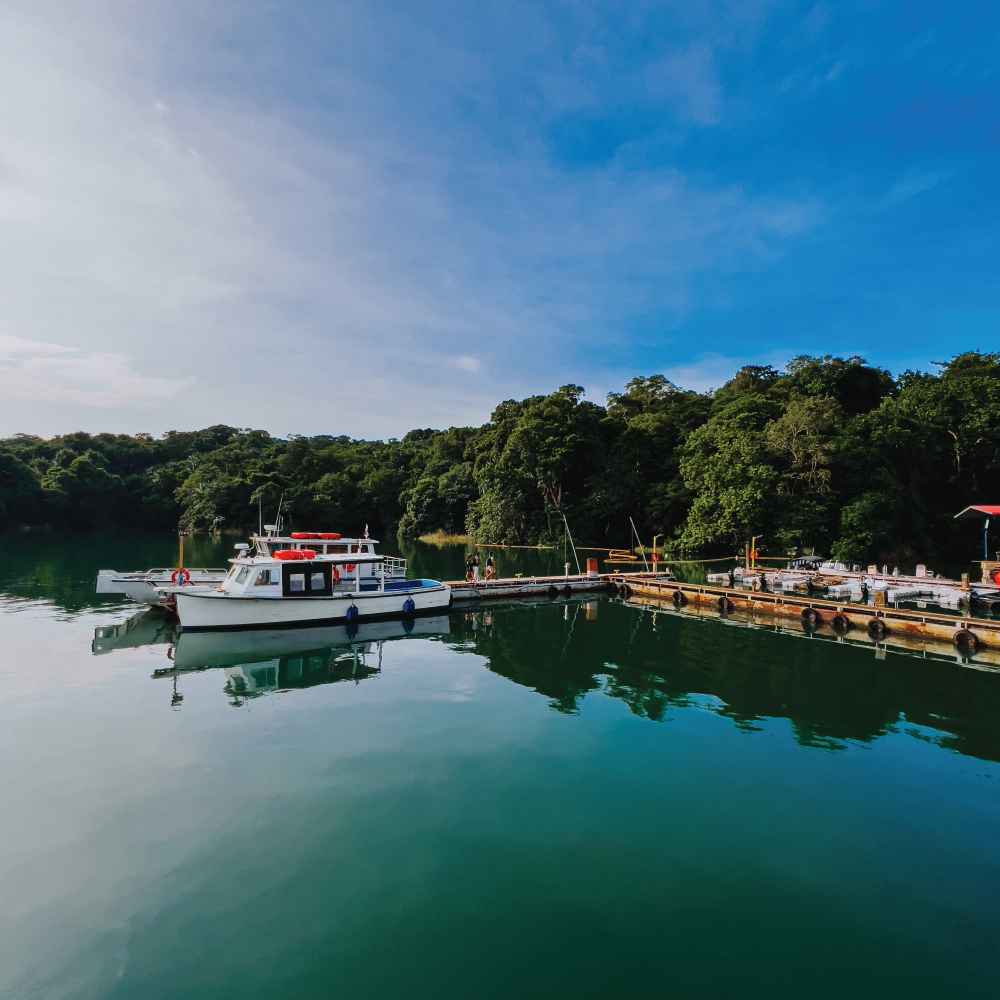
{"x": 829, "y": 454}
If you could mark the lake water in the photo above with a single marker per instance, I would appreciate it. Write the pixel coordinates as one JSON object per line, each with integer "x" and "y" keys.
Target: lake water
{"x": 551, "y": 800}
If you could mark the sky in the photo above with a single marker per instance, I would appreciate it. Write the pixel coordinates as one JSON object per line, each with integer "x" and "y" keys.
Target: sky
{"x": 361, "y": 218}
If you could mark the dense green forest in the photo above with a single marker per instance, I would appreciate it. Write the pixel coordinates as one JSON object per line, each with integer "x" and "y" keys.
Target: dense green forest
{"x": 829, "y": 454}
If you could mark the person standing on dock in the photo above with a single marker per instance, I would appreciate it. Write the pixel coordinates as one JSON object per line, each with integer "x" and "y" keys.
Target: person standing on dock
{"x": 491, "y": 567}
{"x": 468, "y": 566}
{"x": 475, "y": 567}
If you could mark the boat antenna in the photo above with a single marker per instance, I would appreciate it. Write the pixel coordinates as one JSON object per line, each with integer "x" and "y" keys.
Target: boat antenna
{"x": 578, "y": 573}
{"x": 277, "y": 519}
{"x": 641, "y": 546}
{"x": 260, "y": 515}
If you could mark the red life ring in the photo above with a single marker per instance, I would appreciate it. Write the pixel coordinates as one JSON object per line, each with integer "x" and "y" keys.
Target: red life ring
{"x": 996, "y": 576}
{"x": 336, "y": 573}
{"x": 329, "y": 536}
{"x": 349, "y": 567}
{"x": 181, "y": 575}
{"x": 288, "y": 555}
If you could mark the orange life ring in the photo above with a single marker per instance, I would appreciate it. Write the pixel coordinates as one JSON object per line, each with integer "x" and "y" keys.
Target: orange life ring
{"x": 288, "y": 555}
{"x": 308, "y": 553}
{"x": 336, "y": 573}
{"x": 349, "y": 567}
{"x": 182, "y": 575}
{"x": 996, "y": 577}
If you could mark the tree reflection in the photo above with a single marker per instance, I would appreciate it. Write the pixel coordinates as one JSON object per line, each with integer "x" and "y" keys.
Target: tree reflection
{"x": 832, "y": 693}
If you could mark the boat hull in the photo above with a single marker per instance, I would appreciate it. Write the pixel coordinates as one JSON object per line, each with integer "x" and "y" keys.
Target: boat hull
{"x": 146, "y": 587}
{"x": 210, "y": 610}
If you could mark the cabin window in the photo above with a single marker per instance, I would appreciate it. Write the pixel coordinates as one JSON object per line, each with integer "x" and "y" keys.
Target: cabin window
{"x": 266, "y": 578}
{"x": 333, "y": 549}
{"x": 311, "y": 581}
{"x": 243, "y": 574}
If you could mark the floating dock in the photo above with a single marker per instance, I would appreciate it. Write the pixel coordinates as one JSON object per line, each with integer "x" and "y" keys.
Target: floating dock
{"x": 528, "y": 586}
{"x": 911, "y": 629}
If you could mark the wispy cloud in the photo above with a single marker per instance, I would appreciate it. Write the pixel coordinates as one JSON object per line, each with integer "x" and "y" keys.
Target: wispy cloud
{"x": 50, "y": 373}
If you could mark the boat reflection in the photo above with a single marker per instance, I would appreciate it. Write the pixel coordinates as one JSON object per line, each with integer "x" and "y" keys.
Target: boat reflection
{"x": 147, "y": 628}
{"x": 258, "y": 662}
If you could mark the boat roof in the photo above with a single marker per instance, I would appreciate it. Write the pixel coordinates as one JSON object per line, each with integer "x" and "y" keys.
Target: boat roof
{"x": 986, "y": 510}
{"x": 305, "y": 541}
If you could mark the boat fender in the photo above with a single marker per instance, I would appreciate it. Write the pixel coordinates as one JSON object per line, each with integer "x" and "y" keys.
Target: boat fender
{"x": 725, "y": 604}
{"x": 352, "y": 613}
{"x": 180, "y": 577}
{"x": 966, "y": 638}
{"x": 408, "y": 606}
{"x": 553, "y": 591}
{"x": 679, "y": 598}
{"x": 809, "y": 614}
{"x": 840, "y": 623}
{"x": 876, "y": 626}
{"x": 567, "y": 590}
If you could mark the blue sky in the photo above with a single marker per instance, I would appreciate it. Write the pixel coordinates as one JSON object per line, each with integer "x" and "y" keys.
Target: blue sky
{"x": 362, "y": 218}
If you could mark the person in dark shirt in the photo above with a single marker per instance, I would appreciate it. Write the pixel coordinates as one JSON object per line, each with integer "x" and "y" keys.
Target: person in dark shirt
{"x": 491, "y": 568}
{"x": 468, "y": 566}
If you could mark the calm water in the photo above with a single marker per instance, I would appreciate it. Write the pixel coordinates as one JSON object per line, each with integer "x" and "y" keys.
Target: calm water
{"x": 552, "y": 800}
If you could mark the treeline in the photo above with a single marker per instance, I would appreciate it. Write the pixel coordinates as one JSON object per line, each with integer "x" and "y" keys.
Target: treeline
{"x": 830, "y": 454}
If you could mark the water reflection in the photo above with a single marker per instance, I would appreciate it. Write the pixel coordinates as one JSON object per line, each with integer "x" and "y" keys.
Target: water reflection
{"x": 656, "y": 663}
{"x": 260, "y": 662}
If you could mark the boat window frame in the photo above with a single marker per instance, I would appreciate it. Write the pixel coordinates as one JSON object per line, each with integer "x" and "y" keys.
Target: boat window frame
{"x": 307, "y": 569}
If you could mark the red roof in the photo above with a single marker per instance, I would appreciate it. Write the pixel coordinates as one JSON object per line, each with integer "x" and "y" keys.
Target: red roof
{"x": 984, "y": 511}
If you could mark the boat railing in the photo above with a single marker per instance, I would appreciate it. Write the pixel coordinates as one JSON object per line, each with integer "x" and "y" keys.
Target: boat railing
{"x": 393, "y": 567}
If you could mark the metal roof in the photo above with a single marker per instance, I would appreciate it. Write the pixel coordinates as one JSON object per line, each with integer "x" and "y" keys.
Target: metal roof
{"x": 982, "y": 511}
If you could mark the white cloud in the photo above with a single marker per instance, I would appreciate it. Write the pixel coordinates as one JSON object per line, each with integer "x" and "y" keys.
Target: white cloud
{"x": 38, "y": 372}
{"x": 912, "y": 183}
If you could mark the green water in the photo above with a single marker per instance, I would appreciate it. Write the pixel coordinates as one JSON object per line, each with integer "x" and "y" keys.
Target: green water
{"x": 549, "y": 800}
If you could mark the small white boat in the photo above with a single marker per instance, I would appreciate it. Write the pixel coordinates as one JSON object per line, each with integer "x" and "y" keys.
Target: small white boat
{"x": 144, "y": 586}
{"x": 306, "y": 579}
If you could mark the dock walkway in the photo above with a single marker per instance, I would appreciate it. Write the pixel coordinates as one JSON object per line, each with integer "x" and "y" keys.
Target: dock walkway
{"x": 879, "y": 622}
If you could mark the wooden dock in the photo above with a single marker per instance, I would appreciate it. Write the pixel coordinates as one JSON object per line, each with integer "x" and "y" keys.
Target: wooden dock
{"x": 969, "y": 637}
{"x": 529, "y": 586}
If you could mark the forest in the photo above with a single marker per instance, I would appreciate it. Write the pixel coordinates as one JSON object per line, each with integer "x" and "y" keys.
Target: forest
{"x": 830, "y": 454}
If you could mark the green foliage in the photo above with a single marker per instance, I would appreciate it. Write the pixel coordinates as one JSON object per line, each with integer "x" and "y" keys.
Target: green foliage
{"x": 830, "y": 453}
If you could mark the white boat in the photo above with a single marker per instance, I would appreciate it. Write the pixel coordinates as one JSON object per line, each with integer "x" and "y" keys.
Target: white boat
{"x": 144, "y": 586}
{"x": 306, "y": 578}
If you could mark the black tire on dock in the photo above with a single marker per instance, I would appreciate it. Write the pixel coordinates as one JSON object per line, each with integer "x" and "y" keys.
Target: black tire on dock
{"x": 966, "y": 639}
{"x": 840, "y": 623}
{"x": 679, "y": 598}
{"x": 553, "y": 591}
{"x": 877, "y": 627}
{"x": 612, "y": 588}
{"x": 725, "y": 604}
{"x": 568, "y": 590}
{"x": 810, "y": 615}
